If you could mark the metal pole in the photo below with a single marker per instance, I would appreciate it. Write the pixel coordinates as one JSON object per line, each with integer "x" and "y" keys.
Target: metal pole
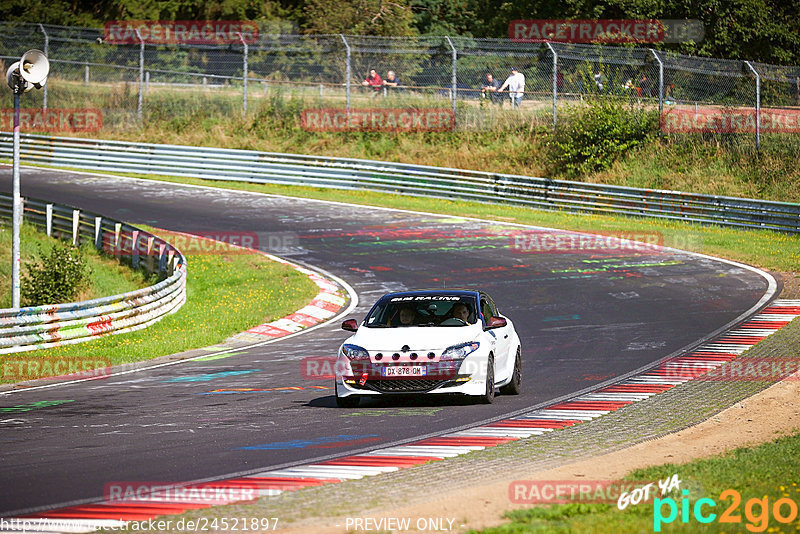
{"x": 244, "y": 78}
{"x": 17, "y": 209}
{"x": 455, "y": 77}
{"x": 141, "y": 75}
{"x": 660, "y": 82}
{"x": 758, "y": 104}
{"x": 347, "y": 75}
{"x": 555, "y": 81}
{"x": 46, "y": 53}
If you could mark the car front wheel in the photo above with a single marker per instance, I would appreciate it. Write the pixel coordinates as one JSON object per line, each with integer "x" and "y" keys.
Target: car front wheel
{"x": 488, "y": 394}
{"x": 351, "y": 401}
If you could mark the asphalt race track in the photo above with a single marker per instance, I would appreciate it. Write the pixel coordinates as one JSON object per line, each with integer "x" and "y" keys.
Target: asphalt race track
{"x": 582, "y": 318}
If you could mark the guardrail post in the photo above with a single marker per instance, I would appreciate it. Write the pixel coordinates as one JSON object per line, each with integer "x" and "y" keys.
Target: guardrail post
{"x": 660, "y": 81}
{"x": 244, "y": 74}
{"x": 98, "y": 233}
{"x": 117, "y": 231}
{"x": 170, "y": 262}
{"x": 758, "y": 103}
{"x": 149, "y": 260}
{"x": 47, "y": 54}
{"x": 141, "y": 75}
{"x": 76, "y": 221}
{"x": 347, "y": 73}
{"x": 86, "y": 75}
{"x": 162, "y": 257}
{"x": 555, "y": 80}
{"x": 135, "y": 249}
{"x": 147, "y": 81}
{"x": 48, "y": 219}
{"x": 454, "y": 53}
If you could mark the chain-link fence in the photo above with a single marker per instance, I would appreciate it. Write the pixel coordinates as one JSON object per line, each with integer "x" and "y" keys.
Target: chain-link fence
{"x": 130, "y": 83}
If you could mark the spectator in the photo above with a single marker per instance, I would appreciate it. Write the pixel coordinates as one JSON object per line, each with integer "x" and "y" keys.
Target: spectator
{"x": 645, "y": 87}
{"x": 392, "y": 82}
{"x": 516, "y": 87}
{"x": 559, "y": 81}
{"x": 599, "y": 80}
{"x": 489, "y": 89}
{"x": 373, "y": 80}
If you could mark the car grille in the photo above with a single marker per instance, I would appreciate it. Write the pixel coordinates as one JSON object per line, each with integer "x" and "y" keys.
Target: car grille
{"x": 404, "y": 385}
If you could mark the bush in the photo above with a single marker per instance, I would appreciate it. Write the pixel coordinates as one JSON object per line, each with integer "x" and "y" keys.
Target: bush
{"x": 59, "y": 276}
{"x": 591, "y": 137}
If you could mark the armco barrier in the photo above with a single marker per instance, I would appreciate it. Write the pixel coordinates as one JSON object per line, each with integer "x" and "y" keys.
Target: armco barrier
{"x": 38, "y": 327}
{"x": 416, "y": 180}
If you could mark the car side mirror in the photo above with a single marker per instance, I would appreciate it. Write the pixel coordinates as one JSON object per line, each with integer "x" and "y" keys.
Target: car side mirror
{"x": 350, "y": 325}
{"x": 495, "y": 322}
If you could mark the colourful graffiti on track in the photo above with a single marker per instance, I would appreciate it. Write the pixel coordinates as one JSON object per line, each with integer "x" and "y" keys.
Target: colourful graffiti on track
{"x": 20, "y": 408}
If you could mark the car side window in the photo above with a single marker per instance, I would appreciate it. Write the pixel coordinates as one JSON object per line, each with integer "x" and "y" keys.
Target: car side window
{"x": 487, "y": 308}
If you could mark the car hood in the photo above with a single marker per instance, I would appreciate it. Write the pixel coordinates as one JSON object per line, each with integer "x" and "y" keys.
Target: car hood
{"x": 418, "y": 338}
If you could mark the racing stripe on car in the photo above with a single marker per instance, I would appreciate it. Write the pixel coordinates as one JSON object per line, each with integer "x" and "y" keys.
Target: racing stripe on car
{"x": 585, "y": 407}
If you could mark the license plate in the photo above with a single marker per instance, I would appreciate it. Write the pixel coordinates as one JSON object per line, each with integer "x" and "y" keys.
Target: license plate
{"x": 404, "y": 370}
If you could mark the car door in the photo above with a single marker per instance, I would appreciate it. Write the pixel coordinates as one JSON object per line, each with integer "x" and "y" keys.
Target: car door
{"x": 500, "y": 336}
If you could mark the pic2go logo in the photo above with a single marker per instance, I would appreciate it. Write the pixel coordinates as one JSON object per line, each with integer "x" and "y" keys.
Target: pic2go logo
{"x": 756, "y": 511}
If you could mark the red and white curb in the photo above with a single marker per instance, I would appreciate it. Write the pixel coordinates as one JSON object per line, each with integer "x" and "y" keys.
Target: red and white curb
{"x": 723, "y": 349}
{"x": 328, "y": 302}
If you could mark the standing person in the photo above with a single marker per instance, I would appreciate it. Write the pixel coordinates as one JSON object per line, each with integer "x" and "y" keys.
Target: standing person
{"x": 373, "y": 80}
{"x": 645, "y": 87}
{"x": 489, "y": 89}
{"x": 516, "y": 87}
{"x": 392, "y": 82}
{"x": 599, "y": 80}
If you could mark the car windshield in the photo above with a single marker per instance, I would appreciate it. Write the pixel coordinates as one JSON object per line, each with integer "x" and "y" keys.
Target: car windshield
{"x": 422, "y": 310}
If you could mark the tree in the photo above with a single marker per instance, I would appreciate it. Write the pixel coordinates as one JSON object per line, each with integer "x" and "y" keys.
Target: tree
{"x": 359, "y": 17}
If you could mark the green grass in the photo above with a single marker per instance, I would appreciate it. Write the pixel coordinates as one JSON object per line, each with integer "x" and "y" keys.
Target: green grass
{"x": 108, "y": 276}
{"x": 768, "y": 470}
{"x": 496, "y": 140}
{"x": 226, "y": 294}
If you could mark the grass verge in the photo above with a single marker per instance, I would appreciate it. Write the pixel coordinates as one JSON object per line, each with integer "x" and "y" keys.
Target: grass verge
{"x": 108, "y": 276}
{"x": 226, "y": 294}
{"x": 765, "y": 473}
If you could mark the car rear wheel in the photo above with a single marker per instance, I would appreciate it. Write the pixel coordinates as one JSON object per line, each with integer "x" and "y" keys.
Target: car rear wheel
{"x": 488, "y": 394}
{"x": 515, "y": 386}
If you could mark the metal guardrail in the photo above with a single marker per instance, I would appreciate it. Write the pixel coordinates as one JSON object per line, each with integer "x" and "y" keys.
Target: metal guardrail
{"x": 36, "y": 327}
{"x": 406, "y": 179}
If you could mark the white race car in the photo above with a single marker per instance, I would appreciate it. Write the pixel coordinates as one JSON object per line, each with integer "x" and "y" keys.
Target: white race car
{"x": 438, "y": 341}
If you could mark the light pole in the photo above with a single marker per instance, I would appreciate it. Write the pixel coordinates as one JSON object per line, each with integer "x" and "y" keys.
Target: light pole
{"x": 29, "y": 72}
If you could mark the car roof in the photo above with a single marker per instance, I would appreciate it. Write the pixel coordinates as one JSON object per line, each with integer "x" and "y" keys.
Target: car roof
{"x": 422, "y": 292}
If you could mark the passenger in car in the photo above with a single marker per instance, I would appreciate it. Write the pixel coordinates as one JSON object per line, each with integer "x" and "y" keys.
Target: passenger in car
{"x": 407, "y": 316}
{"x": 461, "y": 311}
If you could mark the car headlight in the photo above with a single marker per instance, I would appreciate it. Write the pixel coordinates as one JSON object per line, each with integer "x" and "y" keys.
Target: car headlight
{"x": 459, "y": 352}
{"x": 354, "y": 352}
